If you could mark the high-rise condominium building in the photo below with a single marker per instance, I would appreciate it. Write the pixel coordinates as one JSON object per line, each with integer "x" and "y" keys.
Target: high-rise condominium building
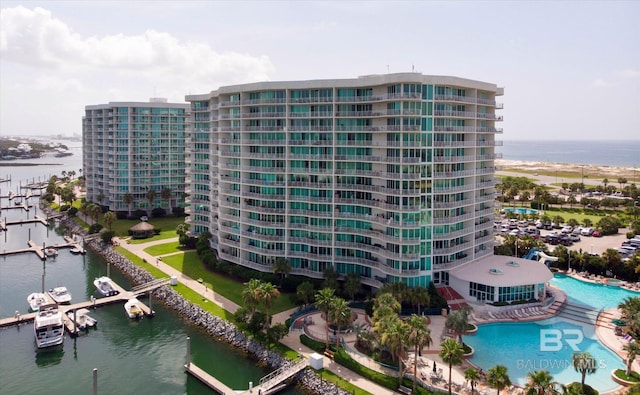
{"x": 131, "y": 148}
{"x": 387, "y": 176}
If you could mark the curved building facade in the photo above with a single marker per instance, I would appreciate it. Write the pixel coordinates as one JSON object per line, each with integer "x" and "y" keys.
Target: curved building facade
{"x": 387, "y": 176}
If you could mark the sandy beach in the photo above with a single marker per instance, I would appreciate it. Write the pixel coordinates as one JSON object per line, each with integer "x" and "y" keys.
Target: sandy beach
{"x": 549, "y": 172}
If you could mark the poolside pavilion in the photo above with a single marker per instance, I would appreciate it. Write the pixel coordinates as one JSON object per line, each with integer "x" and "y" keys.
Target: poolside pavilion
{"x": 498, "y": 278}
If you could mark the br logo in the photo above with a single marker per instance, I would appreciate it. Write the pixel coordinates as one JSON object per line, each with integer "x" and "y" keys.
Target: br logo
{"x": 555, "y": 339}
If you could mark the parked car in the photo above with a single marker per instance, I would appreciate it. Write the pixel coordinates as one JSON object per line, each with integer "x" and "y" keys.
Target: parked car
{"x": 573, "y": 237}
{"x": 587, "y": 232}
{"x": 596, "y": 233}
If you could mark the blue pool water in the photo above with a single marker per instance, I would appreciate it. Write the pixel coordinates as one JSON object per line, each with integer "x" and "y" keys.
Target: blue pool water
{"x": 520, "y": 210}
{"x": 595, "y": 295}
{"x": 520, "y": 346}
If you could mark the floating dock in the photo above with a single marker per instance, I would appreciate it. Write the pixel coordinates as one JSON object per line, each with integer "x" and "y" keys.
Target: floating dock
{"x": 269, "y": 384}
{"x": 123, "y": 296}
{"x": 33, "y": 247}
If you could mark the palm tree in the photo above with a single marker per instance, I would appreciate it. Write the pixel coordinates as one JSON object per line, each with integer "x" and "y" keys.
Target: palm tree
{"x": 166, "y": 194}
{"x": 458, "y": 321}
{"x": 330, "y": 278}
{"x": 473, "y": 377}
{"x": 584, "y": 364}
{"x": 524, "y": 197}
{"x": 605, "y": 182}
{"x": 127, "y": 198}
{"x": 250, "y": 295}
{"x": 392, "y": 337}
{"x": 304, "y": 291}
{"x": 151, "y": 196}
{"x": 385, "y": 305}
{"x": 633, "y": 350}
{"x": 324, "y": 301}
{"x": 419, "y": 336}
{"x": 419, "y": 296}
{"x": 266, "y": 294}
{"x": 282, "y": 267}
{"x": 451, "y": 352}
{"x": 497, "y": 377}
{"x": 540, "y": 382}
{"x": 352, "y": 285}
{"x": 340, "y": 314}
{"x": 109, "y": 218}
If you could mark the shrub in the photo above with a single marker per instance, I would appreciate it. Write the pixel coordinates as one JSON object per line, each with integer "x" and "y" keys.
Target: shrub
{"x": 158, "y": 212}
{"x": 345, "y": 360}
{"x": 138, "y": 213}
{"x": 64, "y": 207}
{"x": 72, "y": 212}
{"x": 178, "y": 211}
{"x": 156, "y": 231}
{"x": 121, "y": 214}
{"x": 312, "y": 343}
{"x": 107, "y": 235}
{"x": 95, "y": 228}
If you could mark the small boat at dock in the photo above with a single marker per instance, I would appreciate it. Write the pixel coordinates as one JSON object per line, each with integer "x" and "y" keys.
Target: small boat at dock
{"x": 75, "y": 251}
{"x": 133, "y": 309}
{"x": 82, "y": 319}
{"x": 50, "y": 252}
{"x": 60, "y": 295}
{"x": 36, "y": 300}
{"x": 105, "y": 286}
{"x": 48, "y": 326}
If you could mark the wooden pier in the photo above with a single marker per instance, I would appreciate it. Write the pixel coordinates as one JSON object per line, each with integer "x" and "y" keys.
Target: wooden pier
{"x": 36, "y": 219}
{"x": 23, "y": 206}
{"x": 269, "y": 384}
{"x": 123, "y": 296}
{"x": 40, "y": 251}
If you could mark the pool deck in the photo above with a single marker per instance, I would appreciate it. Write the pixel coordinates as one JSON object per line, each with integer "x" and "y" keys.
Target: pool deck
{"x": 606, "y": 335}
{"x": 603, "y": 331}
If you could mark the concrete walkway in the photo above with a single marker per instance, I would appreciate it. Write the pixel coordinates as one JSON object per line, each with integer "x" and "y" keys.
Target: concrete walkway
{"x": 292, "y": 340}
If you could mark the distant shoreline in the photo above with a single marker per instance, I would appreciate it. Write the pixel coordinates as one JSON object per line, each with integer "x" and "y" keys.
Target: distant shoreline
{"x": 568, "y": 170}
{"x": 23, "y": 164}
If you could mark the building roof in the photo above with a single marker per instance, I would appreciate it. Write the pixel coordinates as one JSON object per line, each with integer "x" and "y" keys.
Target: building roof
{"x": 503, "y": 271}
{"x": 142, "y": 227}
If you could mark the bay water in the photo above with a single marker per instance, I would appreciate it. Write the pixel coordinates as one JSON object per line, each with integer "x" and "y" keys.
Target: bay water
{"x": 132, "y": 357}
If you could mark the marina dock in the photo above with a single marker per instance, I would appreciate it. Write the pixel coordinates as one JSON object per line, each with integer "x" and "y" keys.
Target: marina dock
{"x": 43, "y": 221}
{"x": 123, "y": 296}
{"x": 269, "y": 384}
{"x": 40, "y": 251}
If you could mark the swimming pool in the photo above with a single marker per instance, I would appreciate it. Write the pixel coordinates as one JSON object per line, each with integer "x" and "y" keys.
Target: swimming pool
{"x": 519, "y": 347}
{"x": 520, "y": 210}
{"x": 595, "y": 295}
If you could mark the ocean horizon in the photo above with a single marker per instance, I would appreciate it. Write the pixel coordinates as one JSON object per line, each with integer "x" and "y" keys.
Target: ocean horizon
{"x": 624, "y": 153}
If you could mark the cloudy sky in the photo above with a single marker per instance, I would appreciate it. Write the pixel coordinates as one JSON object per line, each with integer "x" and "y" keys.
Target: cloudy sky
{"x": 571, "y": 69}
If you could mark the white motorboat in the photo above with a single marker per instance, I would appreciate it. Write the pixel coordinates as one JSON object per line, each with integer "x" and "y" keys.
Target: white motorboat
{"x": 105, "y": 286}
{"x": 133, "y": 309}
{"x": 48, "y": 327}
{"x": 75, "y": 251}
{"x": 60, "y": 295}
{"x": 36, "y": 300}
{"x": 50, "y": 252}
{"x": 82, "y": 319}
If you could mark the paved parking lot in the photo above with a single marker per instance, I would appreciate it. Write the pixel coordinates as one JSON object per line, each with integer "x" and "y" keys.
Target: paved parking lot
{"x": 595, "y": 245}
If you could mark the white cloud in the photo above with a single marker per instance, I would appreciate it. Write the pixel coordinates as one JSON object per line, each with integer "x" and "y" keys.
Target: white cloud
{"x": 600, "y": 83}
{"x": 36, "y": 38}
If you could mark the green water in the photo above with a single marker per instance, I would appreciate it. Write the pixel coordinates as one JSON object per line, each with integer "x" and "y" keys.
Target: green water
{"x": 132, "y": 357}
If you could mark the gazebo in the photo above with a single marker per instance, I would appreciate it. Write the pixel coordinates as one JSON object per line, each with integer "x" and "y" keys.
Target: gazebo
{"x": 141, "y": 230}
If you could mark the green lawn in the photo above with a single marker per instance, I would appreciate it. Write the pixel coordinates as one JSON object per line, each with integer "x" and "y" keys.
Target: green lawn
{"x": 163, "y": 249}
{"x": 189, "y": 264}
{"x": 166, "y": 224}
{"x": 188, "y": 293}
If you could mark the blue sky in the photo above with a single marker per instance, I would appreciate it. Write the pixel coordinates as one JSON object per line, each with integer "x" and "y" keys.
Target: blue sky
{"x": 571, "y": 69}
